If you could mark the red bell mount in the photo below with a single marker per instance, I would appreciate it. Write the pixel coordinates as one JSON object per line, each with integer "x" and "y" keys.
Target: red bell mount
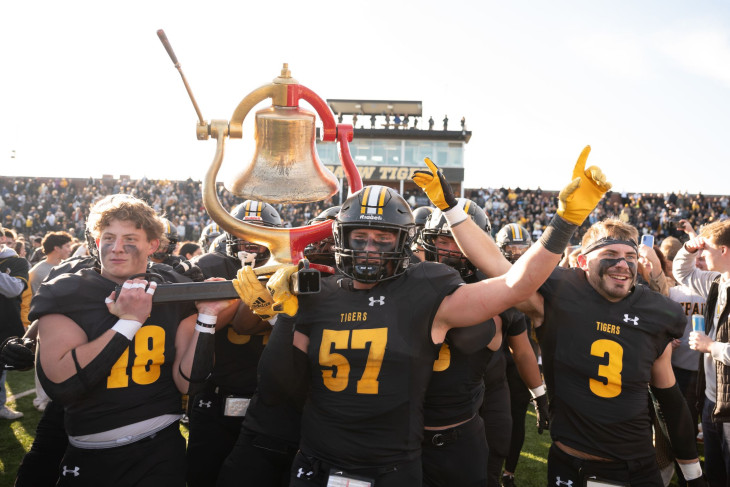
{"x": 340, "y": 132}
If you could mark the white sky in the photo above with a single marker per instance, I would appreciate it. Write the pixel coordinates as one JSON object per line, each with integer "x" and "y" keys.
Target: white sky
{"x": 86, "y": 88}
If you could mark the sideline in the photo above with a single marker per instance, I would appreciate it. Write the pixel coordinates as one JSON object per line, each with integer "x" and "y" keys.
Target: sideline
{"x": 19, "y": 395}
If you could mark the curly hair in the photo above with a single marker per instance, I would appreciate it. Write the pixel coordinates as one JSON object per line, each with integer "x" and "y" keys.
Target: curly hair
{"x": 124, "y": 207}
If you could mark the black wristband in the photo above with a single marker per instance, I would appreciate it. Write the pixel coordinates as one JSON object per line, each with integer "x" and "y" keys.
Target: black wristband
{"x": 557, "y": 235}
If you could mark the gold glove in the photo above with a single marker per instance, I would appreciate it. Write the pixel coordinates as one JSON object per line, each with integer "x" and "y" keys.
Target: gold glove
{"x": 434, "y": 184}
{"x": 578, "y": 199}
{"x": 279, "y": 286}
{"x": 253, "y": 293}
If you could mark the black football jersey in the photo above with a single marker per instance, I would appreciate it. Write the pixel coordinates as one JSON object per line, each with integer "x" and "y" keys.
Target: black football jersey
{"x": 513, "y": 323}
{"x": 371, "y": 357}
{"x": 71, "y": 266}
{"x": 236, "y": 359}
{"x": 236, "y": 356}
{"x": 597, "y": 359}
{"x": 456, "y": 389}
{"x": 216, "y": 264}
{"x": 139, "y": 385}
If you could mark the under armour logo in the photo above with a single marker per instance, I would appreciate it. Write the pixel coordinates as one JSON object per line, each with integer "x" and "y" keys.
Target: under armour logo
{"x": 202, "y": 403}
{"x": 301, "y": 473}
{"x": 380, "y": 301}
{"x": 75, "y": 471}
{"x": 259, "y": 303}
{"x": 569, "y": 483}
{"x": 634, "y": 320}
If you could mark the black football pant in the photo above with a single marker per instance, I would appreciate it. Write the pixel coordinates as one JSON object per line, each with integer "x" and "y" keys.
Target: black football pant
{"x": 456, "y": 456}
{"x": 308, "y": 471}
{"x": 39, "y": 467}
{"x": 519, "y": 400}
{"x": 495, "y": 412}
{"x": 155, "y": 461}
{"x": 257, "y": 461}
{"x": 569, "y": 471}
{"x": 210, "y": 440}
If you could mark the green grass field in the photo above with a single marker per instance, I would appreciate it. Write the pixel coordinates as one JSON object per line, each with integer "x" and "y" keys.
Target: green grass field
{"x": 17, "y": 436}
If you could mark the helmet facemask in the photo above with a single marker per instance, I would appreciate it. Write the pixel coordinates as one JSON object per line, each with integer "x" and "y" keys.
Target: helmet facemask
{"x": 512, "y": 252}
{"x": 321, "y": 252}
{"x": 452, "y": 258}
{"x": 388, "y": 260}
{"x": 168, "y": 244}
{"x": 248, "y": 253}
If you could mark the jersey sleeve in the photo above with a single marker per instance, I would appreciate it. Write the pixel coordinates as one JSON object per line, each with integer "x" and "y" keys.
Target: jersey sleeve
{"x": 676, "y": 318}
{"x": 472, "y": 339}
{"x": 45, "y": 301}
{"x": 550, "y": 287}
{"x": 442, "y": 279}
{"x": 513, "y": 322}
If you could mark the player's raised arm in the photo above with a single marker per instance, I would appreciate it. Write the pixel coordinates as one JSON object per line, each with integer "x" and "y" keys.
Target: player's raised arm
{"x": 472, "y": 303}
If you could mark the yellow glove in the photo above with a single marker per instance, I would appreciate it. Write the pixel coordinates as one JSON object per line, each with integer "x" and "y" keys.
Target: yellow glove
{"x": 284, "y": 300}
{"x": 435, "y": 186}
{"x": 578, "y": 199}
{"x": 253, "y": 293}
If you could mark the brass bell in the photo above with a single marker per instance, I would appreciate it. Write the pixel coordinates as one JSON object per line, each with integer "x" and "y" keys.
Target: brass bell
{"x": 285, "y": 166}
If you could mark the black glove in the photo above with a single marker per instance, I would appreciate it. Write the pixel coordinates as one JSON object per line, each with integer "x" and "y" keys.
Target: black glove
{"x": 18, "y": 353}
{"x": 541, "y": 410}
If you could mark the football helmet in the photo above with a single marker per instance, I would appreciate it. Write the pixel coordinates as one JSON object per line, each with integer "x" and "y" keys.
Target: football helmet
{"x": 219, "y": 244}
{"x": 421, "y": 216}
{"x": 321, "y": 252}
{"x": 209, "y": 233}
{"x": 437, "y": 226}
{"x": 168, "y": 240}
{"x": 256, "y": 213}
{"x": 513, "y": 240}
{"x": 378, "y": 208}
{"x": 91, "y": 245}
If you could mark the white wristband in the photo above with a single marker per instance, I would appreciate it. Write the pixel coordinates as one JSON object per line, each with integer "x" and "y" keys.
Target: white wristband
{"x": 272, "y": 320}
{"x": 456, "y": 215}
{"x": 127, "y": 328}
{"x": 205, "y": 329}
{"x": 538, "y": 391}
{"x": 690, "y": 470}
{"x": 207, "y": 319}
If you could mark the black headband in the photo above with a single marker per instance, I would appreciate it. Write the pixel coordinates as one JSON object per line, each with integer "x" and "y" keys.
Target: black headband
{"x": 602, "y": 242}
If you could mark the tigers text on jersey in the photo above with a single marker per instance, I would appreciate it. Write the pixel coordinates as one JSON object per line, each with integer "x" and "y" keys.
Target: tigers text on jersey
{"x": 371, "y": 357}
{"x": 597, "y": 358}
{"x": 140, "y": 384}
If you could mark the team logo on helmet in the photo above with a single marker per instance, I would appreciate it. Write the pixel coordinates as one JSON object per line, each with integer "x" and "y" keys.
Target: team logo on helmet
{"x": 372, "y": 203}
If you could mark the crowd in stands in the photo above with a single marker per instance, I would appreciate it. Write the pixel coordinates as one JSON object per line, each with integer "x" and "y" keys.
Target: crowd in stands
{"x": 34, "y": 206}
{"x": 656, "y": 214}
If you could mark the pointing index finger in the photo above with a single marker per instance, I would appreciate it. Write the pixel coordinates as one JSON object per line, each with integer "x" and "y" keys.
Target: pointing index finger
{"x": 580, "y": 165}
{"x": 431, "y": 166}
